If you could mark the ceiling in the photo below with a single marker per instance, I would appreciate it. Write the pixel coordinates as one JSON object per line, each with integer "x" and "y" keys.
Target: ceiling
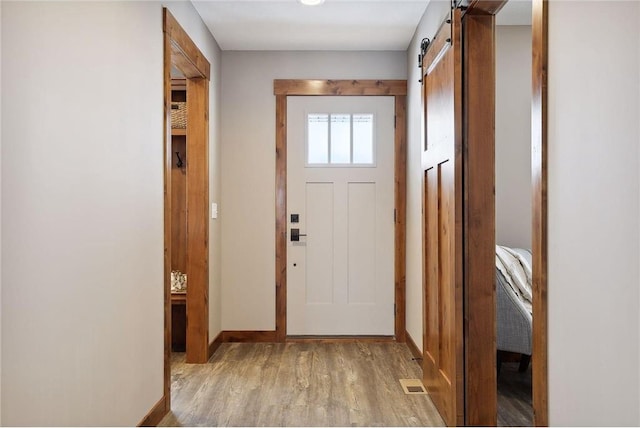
{"x": 335, "y": 25}
{"x": 352, "y": 25}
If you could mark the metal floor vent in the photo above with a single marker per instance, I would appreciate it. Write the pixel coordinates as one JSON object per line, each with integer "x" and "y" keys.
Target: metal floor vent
{"x": 413, "y": 386}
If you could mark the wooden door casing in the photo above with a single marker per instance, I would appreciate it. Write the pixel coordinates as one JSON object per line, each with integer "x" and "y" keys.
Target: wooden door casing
{"x": 181, "y": 52}
{"x": 443, "y": 222}
{"x": 539, "y": 154}
{"x": 479, "y": 219}
{"x": 282, "y": 89}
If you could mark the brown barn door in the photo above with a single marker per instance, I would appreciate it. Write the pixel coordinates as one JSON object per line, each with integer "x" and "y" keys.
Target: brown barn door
{"x": 443, "y": 222}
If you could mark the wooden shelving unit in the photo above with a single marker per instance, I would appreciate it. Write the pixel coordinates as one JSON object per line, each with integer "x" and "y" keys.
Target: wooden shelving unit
{"x": 178, "y": 221}
{"x": 178, "y": 298}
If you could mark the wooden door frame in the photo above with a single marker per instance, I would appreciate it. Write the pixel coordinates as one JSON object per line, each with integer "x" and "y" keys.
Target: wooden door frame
{"x": 480, "y": 296}
{"x": 539, "y": 36}
{"x": 181, "y": 52}
{"x": 396, "y": 88}
{"x": 479, "y": 219}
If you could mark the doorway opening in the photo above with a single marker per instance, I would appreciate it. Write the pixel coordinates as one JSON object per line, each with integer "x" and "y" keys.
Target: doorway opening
{"x": 393, "y": 88}
{"x": 186, "y": 201}
{"x": 459, "y": 96}
{"x": 480, "y": 81}
{"x": 513, "y": 212}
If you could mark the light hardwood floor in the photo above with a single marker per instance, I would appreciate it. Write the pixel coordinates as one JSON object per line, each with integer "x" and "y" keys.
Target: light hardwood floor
{"x": 299, "y": 384}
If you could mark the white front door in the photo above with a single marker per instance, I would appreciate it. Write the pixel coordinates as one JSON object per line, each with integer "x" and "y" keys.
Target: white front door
{"x": 340, "y": 192}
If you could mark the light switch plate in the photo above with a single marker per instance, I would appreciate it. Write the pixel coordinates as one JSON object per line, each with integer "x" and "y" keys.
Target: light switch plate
{"x": 214, "y": 210}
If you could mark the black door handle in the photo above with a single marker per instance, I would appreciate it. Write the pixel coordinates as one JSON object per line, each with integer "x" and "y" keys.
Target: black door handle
{"x": 295, "y": 235}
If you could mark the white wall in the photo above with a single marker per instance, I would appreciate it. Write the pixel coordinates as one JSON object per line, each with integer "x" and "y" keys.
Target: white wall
{"x": 248, "y": 166}
{"x": 593, "y": 213}
{"x": 513, "y": 135}
{"x": 82, "y": 204}
{"x": 429, "y": 24}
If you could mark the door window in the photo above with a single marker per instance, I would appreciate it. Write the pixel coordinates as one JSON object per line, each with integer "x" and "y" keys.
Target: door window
{"x": 337, "y": 139}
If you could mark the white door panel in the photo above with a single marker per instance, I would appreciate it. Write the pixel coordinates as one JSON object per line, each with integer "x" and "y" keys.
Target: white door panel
{"x": 319, "y": 249}
{"x": 340, "y": 278}
{"x": 361, "y": 243}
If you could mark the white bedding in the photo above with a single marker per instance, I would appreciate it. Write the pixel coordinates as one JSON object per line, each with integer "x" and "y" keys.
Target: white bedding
{"x": 517, "y": 272}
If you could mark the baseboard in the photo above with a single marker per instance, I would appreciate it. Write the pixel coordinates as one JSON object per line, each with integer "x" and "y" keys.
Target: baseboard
{"x": 155, "y": 415}
{"x": 340, "y": 339}
{"x": 258, "y": 336}
{"x": 215, "y": 344}
{"x": 413, "y": 347}
{"x": 253, "y": 336}
{"x": 249, "y": 336}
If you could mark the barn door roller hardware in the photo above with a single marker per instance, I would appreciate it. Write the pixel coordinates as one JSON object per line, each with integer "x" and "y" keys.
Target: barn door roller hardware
{"x": 460, "y": 4}
{"x": 424, "y": 44}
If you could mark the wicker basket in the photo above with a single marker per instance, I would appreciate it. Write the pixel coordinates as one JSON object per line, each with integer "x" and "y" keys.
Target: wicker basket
{"x": 178, "y": 115}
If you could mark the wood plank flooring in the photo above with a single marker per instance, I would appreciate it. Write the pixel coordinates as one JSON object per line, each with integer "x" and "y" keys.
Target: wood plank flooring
{"x": 514, "y": 396}
{"x": 299, "y": 384}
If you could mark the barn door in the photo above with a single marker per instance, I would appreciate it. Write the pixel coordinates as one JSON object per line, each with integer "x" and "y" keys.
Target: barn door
{"x": 443, "y": 222}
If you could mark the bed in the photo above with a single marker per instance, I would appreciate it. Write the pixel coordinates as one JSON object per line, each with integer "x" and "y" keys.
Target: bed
{"x": 514, "y": 318}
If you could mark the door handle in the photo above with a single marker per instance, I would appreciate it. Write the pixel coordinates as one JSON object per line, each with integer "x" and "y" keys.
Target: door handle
{"x": 295, "y": 235}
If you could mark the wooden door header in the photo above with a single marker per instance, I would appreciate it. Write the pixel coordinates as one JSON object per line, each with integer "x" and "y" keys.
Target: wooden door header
{"x": 339, "y": 87}
{"x": 185, "y": 55}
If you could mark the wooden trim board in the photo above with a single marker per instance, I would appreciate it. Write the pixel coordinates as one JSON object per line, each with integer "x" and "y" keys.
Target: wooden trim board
{"x": 281, "y": 217}
{"x": 339, "y": 87}
{"x": 485, "y": 7}
{"x": 481, "y": 398}
{"x": 215, "y": 344}
{"x": 411, "y": 344}
{"x": 540, "y": 357}
{"x": 198, "y": 220}
{"x": 167, "y": 160}
{"x": 284, "y": 88}
{"x": 268, "y": 336}
{"x": 400, "y": 228}
{"x": 191, "y": 62}
{"x": 155, "y": 415}
{"x": 250, "y": 336}
{"x": 340, "y": 339}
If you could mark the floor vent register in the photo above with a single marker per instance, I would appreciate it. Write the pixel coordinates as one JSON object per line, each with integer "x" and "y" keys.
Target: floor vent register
{"x": 413, "y": 386}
